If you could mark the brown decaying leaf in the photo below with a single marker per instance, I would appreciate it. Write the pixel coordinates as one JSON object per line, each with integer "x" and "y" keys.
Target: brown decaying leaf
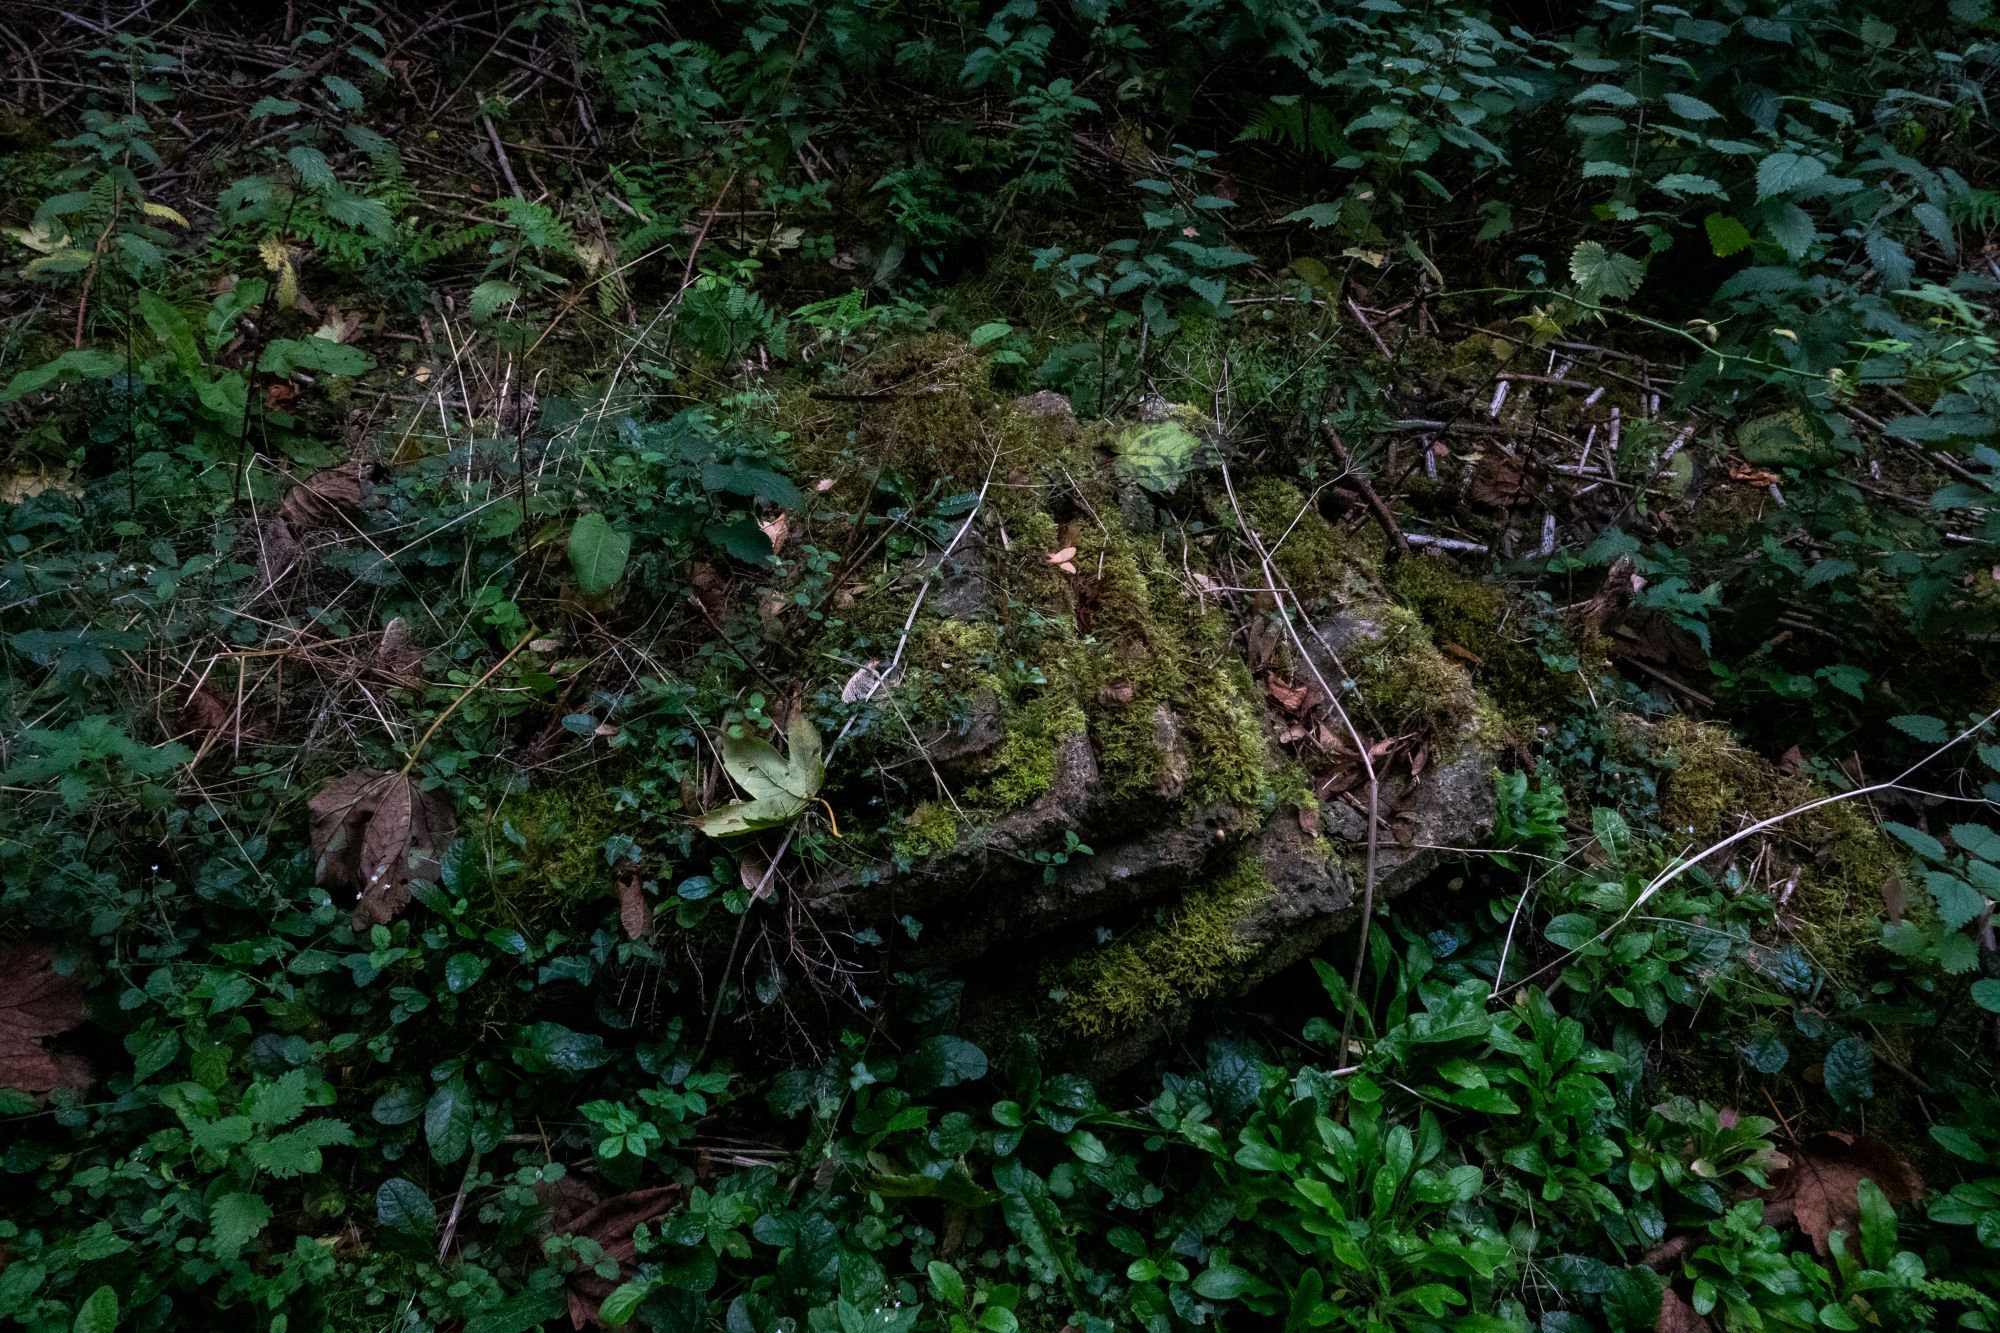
{"x": 1677, "y": 1316}
{"x": 35, "y": 1002}
{"x": 212, "y": 721}
{"x": 632, "y": 912}
{"x": 278, "y": 551}
{"x": 1822, "y": 1186}
{"x": 1499, "y": 481}
{"x": 611, "y": 1225}
{"x": 329, "y": 499}
{"x": 373, "y": 832}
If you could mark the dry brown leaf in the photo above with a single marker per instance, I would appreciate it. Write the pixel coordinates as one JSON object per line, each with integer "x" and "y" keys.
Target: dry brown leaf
{"x": 329, "y": 499}
{"x": 776, "y": 530}
{"x": 373, "y": 832}
{"x": 1292, "y": 698}
{"x": 1677, "y": 1316}
{"x": 397, "y": 659}
{"x": 611, "y": 1225}
{"x": 278, "y": 551}
{"x": 1823, "y": 1184}
{"x": 632, "y": 912}
{"x": 1062, "y": 557}
{"x": 865, "y": 683}
{"x": 35, "y": 1002}
{"x": 1499, "y": 481}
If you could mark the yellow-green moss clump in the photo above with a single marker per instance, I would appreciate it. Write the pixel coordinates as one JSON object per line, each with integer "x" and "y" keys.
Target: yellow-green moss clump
{"x": 1189, "y": 954}
{"x": 1026, "y": 766}
{"x": 1315, "y": 558}
{"x": 1713, "y": 786}
{"x": 929, "y": 829}
{"x": 557, "y": 834}
{"x": 1473, "y": 616}
{"x": 1406, "y": 683}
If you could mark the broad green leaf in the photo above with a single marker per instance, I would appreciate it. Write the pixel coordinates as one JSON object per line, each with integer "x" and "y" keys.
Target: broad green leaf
{"x": 946, "y": 1284}
{"x": 597, "y": 554}
{"x": 448, "y": 1121}
{"x": 1849, "y": 1071}
{"x": 401, "y": 1205}
{"x": 98, "y": 1313}
{"x": 942, "y": 1062}
{"x": 282, "y": 356}
{"x": 1225, "y": 1282}
{"x": 1986, "y": 994}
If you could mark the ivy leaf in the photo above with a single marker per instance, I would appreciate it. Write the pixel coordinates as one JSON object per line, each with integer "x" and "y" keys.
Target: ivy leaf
{"x": 1225, "y": 1282}
{"x": 1603, "y": 275}
{"x": 1781, "y": 173}
{"x": 1849, "y": 1071}
{"x": 401, "y": 1206}
{"x": 597, "y": 554}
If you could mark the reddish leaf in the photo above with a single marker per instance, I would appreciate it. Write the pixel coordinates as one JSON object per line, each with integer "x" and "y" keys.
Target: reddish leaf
{"x": 35, "y": 1002}
{"x": 632, "y": 912}
{"x": 372, "y": 833}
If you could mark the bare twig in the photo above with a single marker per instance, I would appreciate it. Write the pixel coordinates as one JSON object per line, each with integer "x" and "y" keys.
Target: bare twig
{"x": 1280, "y": 590}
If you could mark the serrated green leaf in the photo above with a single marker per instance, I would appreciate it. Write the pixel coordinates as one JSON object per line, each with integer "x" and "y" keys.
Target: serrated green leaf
{"x": 491, "y": 296}
{"x": 1690, "y": 108}
{"x": 1977, "y": 840}
{"x": 1781, "y": 173}
{"x": 1918, "y": 841}
{"x": 234, "y": 1220}
{"x": 1603, "y": 275}
{"x": 314, "y": 171}
{"x": 1920, "y": 727}
{"x": 1957, "y": 902}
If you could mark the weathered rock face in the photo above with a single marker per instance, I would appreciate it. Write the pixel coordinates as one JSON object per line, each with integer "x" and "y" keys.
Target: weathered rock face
{"x": 1079, "y": 676}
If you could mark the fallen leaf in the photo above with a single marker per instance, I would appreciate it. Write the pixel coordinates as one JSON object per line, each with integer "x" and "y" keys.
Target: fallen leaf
{"x": 329, "y": 499}
{"x": 611, "y": 1225}
{"x": 397, "y": 659}
{"x": 823, "y": 485}
{"x": 373, "y": 832}
{"x": 1116, "y": 694}
{"x": 278, "y": 552}
{"x": 1062, "y": 557}
{"x": 776, "y": 530}
{"x": 632, "y": 912}
{"x": 1292, "y": 698}
{"x": 1499, "y": 481}
{"x": 1822, "y": 1187}
{"x": 865, "y": 683}
{"x": 35, "y": 1002}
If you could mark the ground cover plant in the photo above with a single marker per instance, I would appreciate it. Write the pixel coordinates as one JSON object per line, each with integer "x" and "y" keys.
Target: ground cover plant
{"x": 1052, "y": 665}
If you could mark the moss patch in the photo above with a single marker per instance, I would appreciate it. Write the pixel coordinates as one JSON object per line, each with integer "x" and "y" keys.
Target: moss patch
{"x": 929, "y": 829}
{"x": 1406, "y": 683}
{"x": 1188, "y": 954}
{"x": 1714, "y": 785}
{"x": 557, "y": 834}
{"x": 1474, "y": 617}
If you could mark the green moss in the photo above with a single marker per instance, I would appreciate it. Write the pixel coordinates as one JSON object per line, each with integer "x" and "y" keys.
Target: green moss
{"x": 1315, "y": 558}
{"x": 1190, "y": 953}
{"x": 1714, "y": 785}
{"x": 1488, "y": 626}
{"x": 1406, "y": 684}
{"x": 1025, "y": 768}
{"x": 927, "y": 830}
{"x": 557, "y": 835}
